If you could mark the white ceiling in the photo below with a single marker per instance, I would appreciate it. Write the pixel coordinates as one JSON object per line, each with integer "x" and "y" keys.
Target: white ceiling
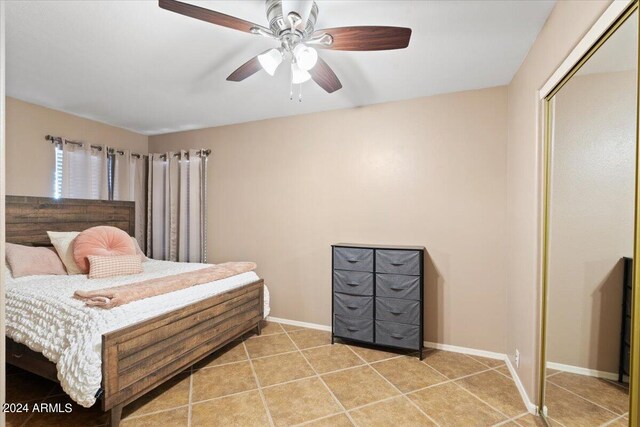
{"x": 136, "y": 66}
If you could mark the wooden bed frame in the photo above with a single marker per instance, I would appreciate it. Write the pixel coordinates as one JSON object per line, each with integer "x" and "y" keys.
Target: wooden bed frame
{"x": 140, "y": 357}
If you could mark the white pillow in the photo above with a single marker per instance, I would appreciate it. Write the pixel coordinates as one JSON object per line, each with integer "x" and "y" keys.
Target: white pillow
{"x": 143, "y": 257}
{"x": 63, "y": 242}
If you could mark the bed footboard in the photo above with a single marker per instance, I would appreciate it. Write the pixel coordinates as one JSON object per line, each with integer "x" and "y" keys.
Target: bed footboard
{"x": 138, "y": 358}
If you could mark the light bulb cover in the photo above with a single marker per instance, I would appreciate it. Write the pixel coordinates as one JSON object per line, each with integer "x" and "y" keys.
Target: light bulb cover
{"x": 298, "y": 75}
{"x": 306, "y": 57}
{"x": 270, "y": 60}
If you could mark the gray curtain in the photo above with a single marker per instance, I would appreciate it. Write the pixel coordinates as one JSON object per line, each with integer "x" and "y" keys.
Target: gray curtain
{"x": 176, "y": 206}
{"x": 130, "y": 183}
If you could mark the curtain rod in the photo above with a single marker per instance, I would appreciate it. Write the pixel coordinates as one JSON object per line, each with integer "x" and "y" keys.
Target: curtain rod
{"x": 202, "y": 153}
{"x": 60, "y": 140}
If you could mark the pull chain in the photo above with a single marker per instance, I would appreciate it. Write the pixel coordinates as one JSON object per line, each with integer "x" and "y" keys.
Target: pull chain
{"x": 291, "y": 90}
{"x": 300, "y": 92}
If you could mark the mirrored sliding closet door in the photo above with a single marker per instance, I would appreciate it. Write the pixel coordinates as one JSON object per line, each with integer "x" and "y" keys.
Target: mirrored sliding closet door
{"x": 591, "y": 199}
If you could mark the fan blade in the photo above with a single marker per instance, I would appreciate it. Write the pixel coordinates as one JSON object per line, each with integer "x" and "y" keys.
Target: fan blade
{"x": 366, "y": 38}
{"x": 210, "y": 16}
{"x": 325, "y": 77}
{"x": 247, "y": 69}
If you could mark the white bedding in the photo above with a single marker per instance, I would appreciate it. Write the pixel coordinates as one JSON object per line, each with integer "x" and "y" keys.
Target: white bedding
{"x": 42, "y": 314}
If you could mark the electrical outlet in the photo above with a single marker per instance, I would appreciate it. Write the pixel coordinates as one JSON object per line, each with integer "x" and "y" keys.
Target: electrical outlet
{"x": 517, "y": 358}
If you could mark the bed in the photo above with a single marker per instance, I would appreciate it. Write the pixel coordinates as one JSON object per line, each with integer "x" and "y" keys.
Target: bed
{"x": 127, "y": 352}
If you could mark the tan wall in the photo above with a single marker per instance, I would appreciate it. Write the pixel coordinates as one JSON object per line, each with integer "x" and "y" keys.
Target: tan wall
{"x": 565, "y": 27}
{"x": 592, "y": 214}
{"x": 429, "y": 171}
{"x": 30, "y": 159}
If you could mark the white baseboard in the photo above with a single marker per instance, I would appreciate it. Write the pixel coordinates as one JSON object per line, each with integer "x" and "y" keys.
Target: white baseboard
{"x": 301, "y": 324}
{"x": 531, "y": 407}
{"x": 465, "y": 350}
{"x": 613, "y": 376}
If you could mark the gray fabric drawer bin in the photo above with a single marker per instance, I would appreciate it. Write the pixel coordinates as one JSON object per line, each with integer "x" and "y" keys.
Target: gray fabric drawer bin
{"x": 398, "y": 262}
{"x": 398, "y": 310}
{"x": 353, "y": 306}
{"x": 398, "y": 286}
{"x": 354, "y": 328}
{"x": 397, "y": 334}
{"x": 353, "y": 282}
{"x": 353, "y": 259}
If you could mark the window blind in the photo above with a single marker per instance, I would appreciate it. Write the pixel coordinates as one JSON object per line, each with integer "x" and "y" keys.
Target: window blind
{"x": 57, "y": 178}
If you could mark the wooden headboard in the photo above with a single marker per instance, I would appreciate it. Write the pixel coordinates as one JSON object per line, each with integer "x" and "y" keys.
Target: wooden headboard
{"x": 29, "y": 218}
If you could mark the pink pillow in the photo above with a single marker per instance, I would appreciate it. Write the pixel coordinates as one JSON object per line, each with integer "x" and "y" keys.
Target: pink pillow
{"x": 115, "y": 265}
{"x": 30, "y": 261}
{"x": 101, "y": 241}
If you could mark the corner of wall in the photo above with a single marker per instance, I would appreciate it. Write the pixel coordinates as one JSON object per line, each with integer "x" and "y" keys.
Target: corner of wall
{"x": 565, "y": 27}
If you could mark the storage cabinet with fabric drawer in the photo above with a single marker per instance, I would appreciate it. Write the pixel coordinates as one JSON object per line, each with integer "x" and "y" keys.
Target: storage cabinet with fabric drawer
{"x": 378, "y": 295}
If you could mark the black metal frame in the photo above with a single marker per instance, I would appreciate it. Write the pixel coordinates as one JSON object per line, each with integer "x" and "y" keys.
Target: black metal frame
{"x": 375, "y": 248}
{"x": 625, "y": 347}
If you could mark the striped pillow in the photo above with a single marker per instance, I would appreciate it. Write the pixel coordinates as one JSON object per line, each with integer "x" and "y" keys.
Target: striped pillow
{"x": 113, "y": 265}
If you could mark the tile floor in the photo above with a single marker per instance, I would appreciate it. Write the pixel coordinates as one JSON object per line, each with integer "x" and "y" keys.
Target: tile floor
{"x": 293, "y": 376}
{"x": 578, "y": 400}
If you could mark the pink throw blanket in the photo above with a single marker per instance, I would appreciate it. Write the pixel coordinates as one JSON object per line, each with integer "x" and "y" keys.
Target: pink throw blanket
{"x": 118, "y": 295}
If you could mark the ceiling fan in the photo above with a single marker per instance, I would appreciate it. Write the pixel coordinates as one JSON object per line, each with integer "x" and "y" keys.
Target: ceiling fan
{"x": 298, "y": 40}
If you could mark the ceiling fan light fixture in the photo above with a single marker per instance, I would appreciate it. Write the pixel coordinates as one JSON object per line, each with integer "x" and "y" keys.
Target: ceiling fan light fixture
{"x": 270, "y": 60}
{"x": 298, "y": 75}
{"x": 293, "y": 24}
{"x": 306, "y": 57}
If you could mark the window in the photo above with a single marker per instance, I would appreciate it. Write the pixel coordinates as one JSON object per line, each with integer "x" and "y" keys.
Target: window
{"x": 111, "y": 166}
{"x": 82, "y": 174}
{"x": 57, "y": 178}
